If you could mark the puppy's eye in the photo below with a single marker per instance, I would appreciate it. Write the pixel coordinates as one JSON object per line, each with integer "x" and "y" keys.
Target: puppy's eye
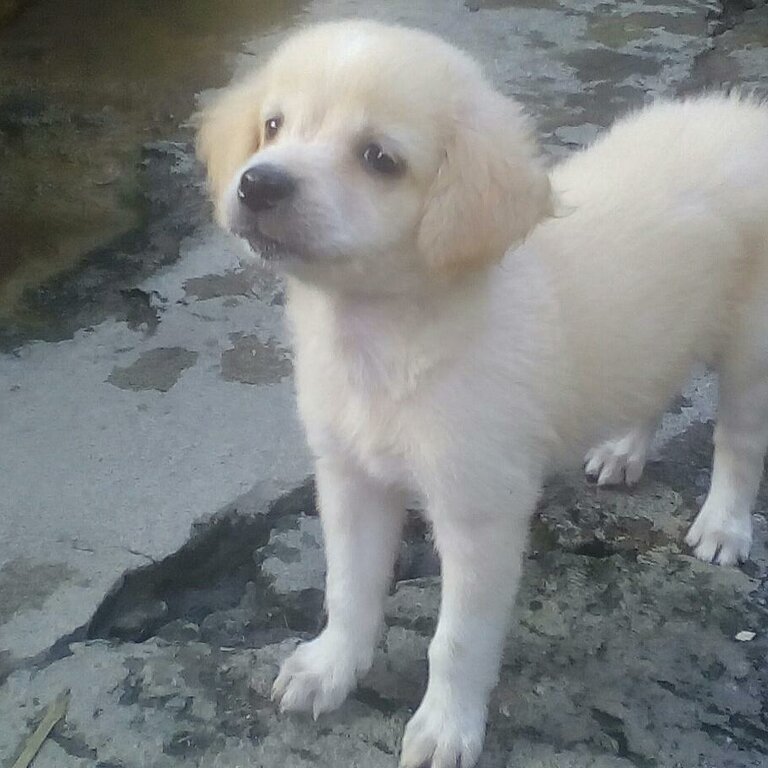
{"x": 378, "y": 160}
{"x": 272, "y": 126}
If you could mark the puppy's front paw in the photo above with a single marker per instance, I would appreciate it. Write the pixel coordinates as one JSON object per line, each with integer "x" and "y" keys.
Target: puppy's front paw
{"x": 721, "y": 537}
{"x": 443, "y": 734}
{"x": 318, "y": 675}
{"x": 619, "y": 461}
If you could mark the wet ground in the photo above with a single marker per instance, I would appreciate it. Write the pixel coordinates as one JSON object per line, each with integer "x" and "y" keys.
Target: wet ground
{"x": 84, "y": 86}
{"x": 159, "y": 548}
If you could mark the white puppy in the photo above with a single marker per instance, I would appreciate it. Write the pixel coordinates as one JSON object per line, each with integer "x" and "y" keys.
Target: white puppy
{"x": 382, "y": 175}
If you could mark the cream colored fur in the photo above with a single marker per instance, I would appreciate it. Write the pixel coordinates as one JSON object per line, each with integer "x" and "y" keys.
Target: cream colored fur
{"x": 441, "y": 351}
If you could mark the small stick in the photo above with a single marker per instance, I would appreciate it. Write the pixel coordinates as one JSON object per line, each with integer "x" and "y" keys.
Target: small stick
{"x": 53, "y": 714}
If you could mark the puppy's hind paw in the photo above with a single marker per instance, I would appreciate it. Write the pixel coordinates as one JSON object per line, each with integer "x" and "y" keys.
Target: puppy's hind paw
{"x": 619, "y": 461}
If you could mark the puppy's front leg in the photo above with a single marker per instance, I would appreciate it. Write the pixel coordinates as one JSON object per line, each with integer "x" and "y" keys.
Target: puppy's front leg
{"x": 362, "y": 522}
{"x": 481, "y": 541}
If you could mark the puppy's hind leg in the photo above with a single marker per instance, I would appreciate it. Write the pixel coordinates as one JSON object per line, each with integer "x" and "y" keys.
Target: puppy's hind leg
{"x": 622, "y": 459}
{"x": 722, "y": 532}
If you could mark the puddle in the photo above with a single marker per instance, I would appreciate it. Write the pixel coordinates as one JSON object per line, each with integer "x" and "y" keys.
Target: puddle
{"x": 83, "y": 85}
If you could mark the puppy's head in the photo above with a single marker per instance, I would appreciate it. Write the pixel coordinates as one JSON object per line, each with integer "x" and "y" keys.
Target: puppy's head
{"x": 372, "y": 156}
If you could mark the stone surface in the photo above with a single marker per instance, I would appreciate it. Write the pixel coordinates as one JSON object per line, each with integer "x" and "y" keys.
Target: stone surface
{"x": 157, "y": 368}
{"x": 159, "y": 546}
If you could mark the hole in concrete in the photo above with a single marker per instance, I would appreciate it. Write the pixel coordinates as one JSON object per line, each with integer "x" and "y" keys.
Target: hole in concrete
{"x": 594, "y": 548}
{"x": 214, "y": 571}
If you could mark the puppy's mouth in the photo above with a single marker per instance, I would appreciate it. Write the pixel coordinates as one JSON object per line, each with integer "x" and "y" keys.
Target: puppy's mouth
{"x": 269, "y": 249}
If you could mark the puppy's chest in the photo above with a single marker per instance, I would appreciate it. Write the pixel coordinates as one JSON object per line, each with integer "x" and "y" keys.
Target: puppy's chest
{"x": 369, "y": 434}
{"x": 355, "y": 403}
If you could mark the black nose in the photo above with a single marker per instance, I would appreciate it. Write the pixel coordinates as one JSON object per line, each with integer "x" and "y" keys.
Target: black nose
{"x": 264, "y": 186}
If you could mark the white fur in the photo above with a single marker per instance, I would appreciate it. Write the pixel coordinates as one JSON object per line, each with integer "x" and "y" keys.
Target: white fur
{"x": 428, "y": 360}
{"x": 621, "y": 460}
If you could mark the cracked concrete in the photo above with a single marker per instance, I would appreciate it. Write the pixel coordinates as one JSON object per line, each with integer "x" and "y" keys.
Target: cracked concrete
{"x": 159, "y": 547}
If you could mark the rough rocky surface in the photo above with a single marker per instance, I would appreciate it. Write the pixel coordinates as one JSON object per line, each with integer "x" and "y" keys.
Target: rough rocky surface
{"x": 159, "y": 547}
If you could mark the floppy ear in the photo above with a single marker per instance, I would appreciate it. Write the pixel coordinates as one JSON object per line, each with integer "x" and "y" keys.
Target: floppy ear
{"x": 230, "y": 132}
{"x": 491, "y": 189}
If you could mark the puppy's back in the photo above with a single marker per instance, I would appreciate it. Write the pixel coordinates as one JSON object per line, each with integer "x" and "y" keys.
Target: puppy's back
{"x": 660, "y": 221}
{"x": 698, "y": 148}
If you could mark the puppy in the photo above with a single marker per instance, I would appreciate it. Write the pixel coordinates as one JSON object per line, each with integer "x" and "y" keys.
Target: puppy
{"x": 456, "y": 339}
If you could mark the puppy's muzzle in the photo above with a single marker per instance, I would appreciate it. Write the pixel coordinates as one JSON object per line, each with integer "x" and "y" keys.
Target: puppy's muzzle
{"x": 264, "y": 186}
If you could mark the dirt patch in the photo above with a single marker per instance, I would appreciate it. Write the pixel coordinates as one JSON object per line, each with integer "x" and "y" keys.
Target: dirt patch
{"x": 156, "y": 369}
{"x": 251, "y": 361}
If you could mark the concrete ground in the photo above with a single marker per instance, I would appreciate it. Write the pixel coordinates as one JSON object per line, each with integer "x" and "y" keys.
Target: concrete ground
{"x": 159, "y": 547}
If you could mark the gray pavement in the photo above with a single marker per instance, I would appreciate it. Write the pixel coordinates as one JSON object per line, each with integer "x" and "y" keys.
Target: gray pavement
{"x": 159, "y": 549}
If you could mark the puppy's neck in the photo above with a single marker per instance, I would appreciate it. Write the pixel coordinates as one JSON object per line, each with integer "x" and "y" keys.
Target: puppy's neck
{"x": 388, "y": 342}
